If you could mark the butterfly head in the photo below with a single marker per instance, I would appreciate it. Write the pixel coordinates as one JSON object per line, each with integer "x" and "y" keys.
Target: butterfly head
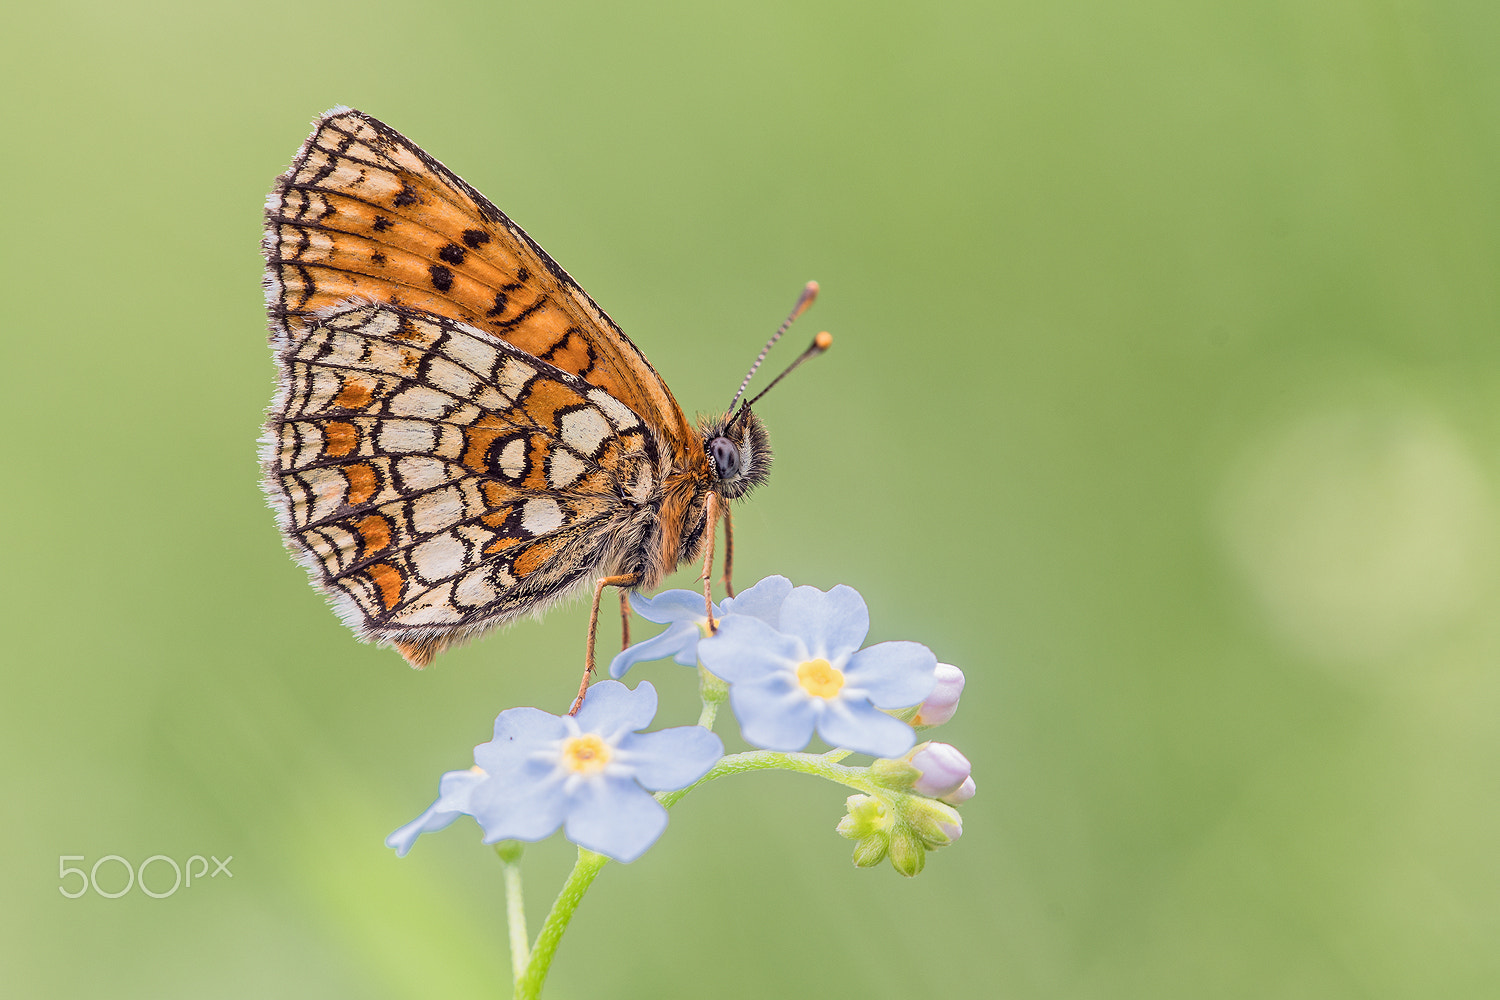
{"x": 739, "y": 452}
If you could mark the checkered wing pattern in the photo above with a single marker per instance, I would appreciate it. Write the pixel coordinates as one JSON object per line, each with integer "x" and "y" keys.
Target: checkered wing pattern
{"x": 461, "y": 435}
{"x": 437, "y": 480}
{"x": 363, "y": 212}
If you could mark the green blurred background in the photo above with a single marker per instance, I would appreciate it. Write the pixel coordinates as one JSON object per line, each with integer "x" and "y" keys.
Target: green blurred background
{"x": 1165, "y": 400}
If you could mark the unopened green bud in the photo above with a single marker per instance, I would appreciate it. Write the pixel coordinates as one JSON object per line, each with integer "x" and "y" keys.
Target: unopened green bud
{"x": 936, "y": 823}
{"x": 898, "y": 775}
{"x": 869, "y": 822}
{"x": 867, "y": 816}
{"x": 908, "y": 856}
{"x": 870, "y": 851}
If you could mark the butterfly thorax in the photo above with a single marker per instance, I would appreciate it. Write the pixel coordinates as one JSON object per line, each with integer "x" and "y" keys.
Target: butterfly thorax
{"x": 732, "y": 457}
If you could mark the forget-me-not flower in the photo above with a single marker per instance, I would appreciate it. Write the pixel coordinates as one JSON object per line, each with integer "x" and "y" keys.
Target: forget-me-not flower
{"x": 682, "y": 611}
{"x": 592, "y": 774}
{"x": 808, "y": 673}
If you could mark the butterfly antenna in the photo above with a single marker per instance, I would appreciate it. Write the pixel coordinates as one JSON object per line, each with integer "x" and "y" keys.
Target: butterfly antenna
{"x": 822, "y": 342}
{"x": 809, "y": 293}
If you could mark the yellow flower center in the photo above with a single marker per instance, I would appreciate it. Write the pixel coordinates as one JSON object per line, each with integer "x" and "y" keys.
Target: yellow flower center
{"x": 819, "y": 679}
{"x": 586, "y": 754}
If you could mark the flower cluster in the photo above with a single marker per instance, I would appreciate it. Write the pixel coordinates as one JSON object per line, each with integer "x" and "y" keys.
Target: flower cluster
{"x": 794, "y": 666}
{"x": 911, "y": 812}
{"x": 591, "y": 774}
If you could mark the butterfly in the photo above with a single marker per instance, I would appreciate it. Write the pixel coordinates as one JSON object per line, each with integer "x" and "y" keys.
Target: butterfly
{"x": 461, "y": 436}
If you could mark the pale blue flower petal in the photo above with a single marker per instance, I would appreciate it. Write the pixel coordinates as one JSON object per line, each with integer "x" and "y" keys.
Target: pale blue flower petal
{"x": 452, "y": 802}
{"x": 859, "y": 726}
{"x": 774, "y": 713}
{"x": 671, "y": 606}
{"x": 761, "y": 601}
{"x": 745, "y": 649}
{"x": 430, "y": 821}
{"x": 683, "y": 610}
{"x": 611, "y": 708}
{"x": 669, "y": 759}
{"x": 832, "y": 625}
{"x": 510, "y": 758}
{"x": 520, "y": 810}
{"x": 679, "y": 641}
{"x": 893, "y": 674}
{"x": 515, "y": 730}
{"x": 615, "y": 817}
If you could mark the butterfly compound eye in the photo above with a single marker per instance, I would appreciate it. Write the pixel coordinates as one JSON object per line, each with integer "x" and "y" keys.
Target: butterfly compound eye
{"x": 726, "y": 457}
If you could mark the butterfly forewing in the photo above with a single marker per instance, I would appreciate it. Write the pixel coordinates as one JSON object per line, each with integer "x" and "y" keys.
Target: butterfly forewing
{"x": 362, "y": 212}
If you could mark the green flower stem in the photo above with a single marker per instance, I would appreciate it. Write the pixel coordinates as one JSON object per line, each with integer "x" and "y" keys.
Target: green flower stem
{"x": 515, "y": 907}
{"x": 529, "y": 983}
{"x": 822, "y": 765}
{"x": 713, "y": 691}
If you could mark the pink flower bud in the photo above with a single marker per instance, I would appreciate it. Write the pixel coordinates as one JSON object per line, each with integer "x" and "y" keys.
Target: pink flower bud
{"x": 944, "y": 770}
{"x": 943, "y": 702}
{"x": 952, "y": 830}
{"x": 962, "y": 794}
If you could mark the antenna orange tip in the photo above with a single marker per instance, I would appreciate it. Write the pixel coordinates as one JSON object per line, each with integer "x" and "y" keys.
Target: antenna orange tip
{"x": 809, "y": 293}
{"x": 823, "y": 341}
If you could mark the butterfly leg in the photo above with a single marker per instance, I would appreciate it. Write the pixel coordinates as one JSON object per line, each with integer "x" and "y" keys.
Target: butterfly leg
{"x": 711, "y": 514}
{"x": 624, "y": 618}
{"x": 623, "y": 580}
{"x": 728, "y": 552}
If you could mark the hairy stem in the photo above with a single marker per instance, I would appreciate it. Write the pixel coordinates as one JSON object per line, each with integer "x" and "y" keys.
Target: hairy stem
{"x": 822, "y": 765}
{"x": 529, "y": 983}
{"x": 515, "y": 907}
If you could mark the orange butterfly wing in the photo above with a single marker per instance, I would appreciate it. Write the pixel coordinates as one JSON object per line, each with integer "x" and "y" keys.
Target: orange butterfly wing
{"x": 364, "y": 213}
{"x": 437, "y": 482}
{"x": 461, "y": 435}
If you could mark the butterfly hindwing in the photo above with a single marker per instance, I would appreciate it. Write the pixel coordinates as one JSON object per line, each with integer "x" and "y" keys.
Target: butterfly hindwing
{"x": 437, "y": 480}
